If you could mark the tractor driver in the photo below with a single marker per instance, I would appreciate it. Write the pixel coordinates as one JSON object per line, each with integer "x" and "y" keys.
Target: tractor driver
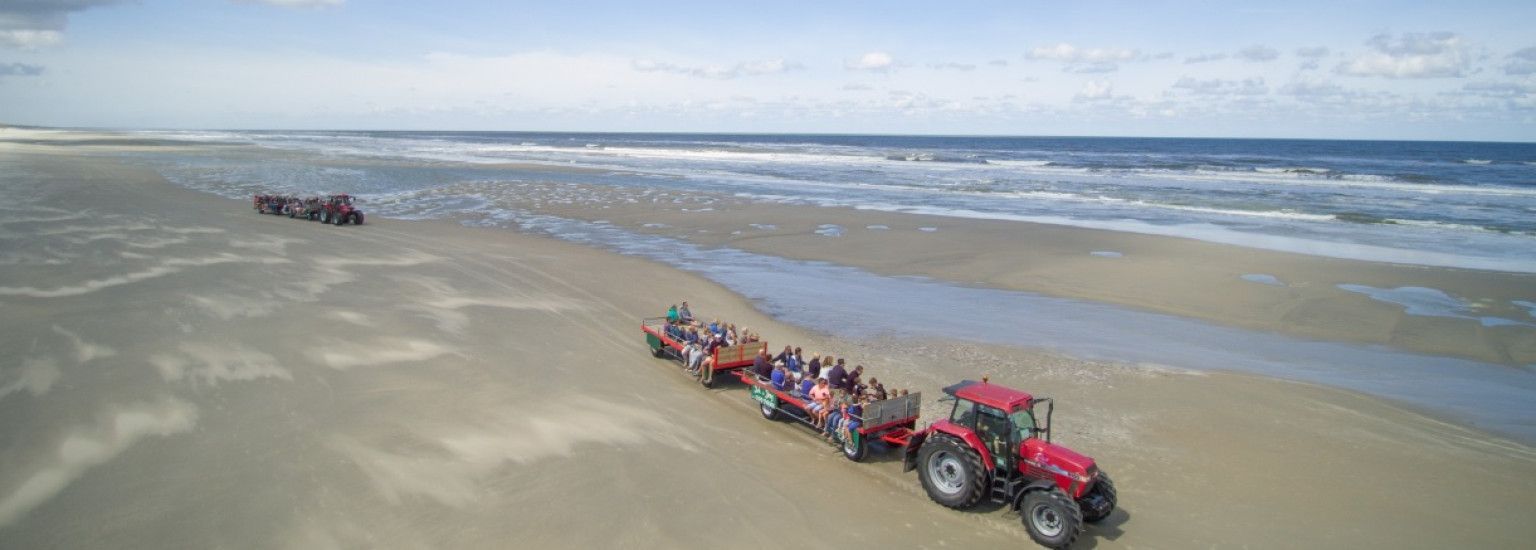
{"x": 993, "y": 428}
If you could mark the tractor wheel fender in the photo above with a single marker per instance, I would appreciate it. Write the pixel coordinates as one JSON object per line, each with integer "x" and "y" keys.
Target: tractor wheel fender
{"x": 1036, "y": 485}
{"x": 966, "y": 437}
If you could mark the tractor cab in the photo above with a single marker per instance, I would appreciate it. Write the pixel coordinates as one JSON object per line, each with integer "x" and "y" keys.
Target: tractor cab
{"x": 1002, "y": 418}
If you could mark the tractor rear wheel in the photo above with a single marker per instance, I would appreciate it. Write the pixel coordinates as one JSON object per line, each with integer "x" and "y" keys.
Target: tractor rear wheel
{"x": 951, "y": 472}
{"x": 1104, "y": 488}
{"x": 357, "y": 218}
{"x": 1052, "y": 519}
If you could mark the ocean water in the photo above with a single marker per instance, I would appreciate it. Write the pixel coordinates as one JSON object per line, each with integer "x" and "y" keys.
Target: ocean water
{"x": 1457, "y": 204}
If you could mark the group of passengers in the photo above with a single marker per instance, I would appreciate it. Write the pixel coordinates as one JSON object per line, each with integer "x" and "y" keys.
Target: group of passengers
{"x": 700, "y": 340}
{"x": 835, "y": 395}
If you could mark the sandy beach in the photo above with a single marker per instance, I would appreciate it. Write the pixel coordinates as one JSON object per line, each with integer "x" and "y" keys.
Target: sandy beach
{"x": 179, "y": 371}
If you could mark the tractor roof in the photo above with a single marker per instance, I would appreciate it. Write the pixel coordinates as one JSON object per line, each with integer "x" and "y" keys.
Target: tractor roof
{"x": 989, "y": 394}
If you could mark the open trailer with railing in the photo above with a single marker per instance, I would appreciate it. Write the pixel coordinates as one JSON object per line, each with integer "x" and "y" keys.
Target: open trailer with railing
{"x": 667, "y": 344}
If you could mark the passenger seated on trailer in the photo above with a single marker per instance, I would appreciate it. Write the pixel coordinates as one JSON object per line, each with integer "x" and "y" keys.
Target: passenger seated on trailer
{"x": 683, "y": 314}
{"x": 876, "y": 389}
{"x": 855, "y": 385}
{"x": 695, "y": 357}
{"x": 777, "y": 378}
{"x": 813, "y": 368}
{"x": 821, "y": 402}
{"x": 761, "y": 368}
{"x": 806, "y": 384}
{"x": 672, "y": 314}
{"x": 838, "y": 376}
{"x": 855, "y": 416}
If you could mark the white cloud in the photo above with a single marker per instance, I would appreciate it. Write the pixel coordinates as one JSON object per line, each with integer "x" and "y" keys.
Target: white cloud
{"x": 1311, "y": 88}
{"x": 952, "y": 65}
{"x": 1095, "y": 90}
{"x": 29, "y": 39}
{"x": 1084, "y": 60}
{"x": 1258, "y": 53}
{"x": 719, "y": 72}
{"x": 296, "y": 3}
{"x": 1072, "y": 54}
{"x": 1499, "y": 89}
{"x": 1091, "y": 68}
{"x": 1244, "y": 87}
{"x": 1522, "y": 62}
{"x": 1204, "y": 58}
{"x": 877, "y": 62}
{"x": 998, "y": 62}
{"x": 1411, "y": 55}
{"x": 37, "y": 24}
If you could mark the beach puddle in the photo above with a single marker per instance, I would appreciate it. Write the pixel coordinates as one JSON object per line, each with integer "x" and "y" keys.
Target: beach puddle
{"x": 1263, "y": 279}
{"x": 1429, "y": 302}
{"x": 1106, "y": 254}
{"x": 829, "y": 230}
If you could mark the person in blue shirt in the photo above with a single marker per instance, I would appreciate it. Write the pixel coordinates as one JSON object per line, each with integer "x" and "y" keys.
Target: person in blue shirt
{"x": 805, "y": 387}
{"x": 778, "y": 379}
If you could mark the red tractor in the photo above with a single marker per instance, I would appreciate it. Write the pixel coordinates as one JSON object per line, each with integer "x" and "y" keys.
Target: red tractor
{"x": 994, "y": 447}
{"x": 338, "y": 209}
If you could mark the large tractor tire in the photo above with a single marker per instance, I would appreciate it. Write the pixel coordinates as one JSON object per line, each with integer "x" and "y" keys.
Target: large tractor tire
{"x": 1051, "y": 518}
{"x": 340, "y": 220}
{"x": 951, "y": 472}
{"x": 357, "y": 218}
{"x": 1105, "y": 488}
{"x": 855, "y": 447}
{"x": 325, "y": 217}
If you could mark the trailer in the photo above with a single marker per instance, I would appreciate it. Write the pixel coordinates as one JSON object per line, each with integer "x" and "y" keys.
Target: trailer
{"x": 726, "y": 358}
{"x": 891, "y": 421}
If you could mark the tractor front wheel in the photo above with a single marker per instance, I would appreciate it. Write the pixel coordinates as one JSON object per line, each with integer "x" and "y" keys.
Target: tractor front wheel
{"x": 1105, "y": 489}
{"x": 339, "y": 220}
{"x": 1052, "y": 519}
{"x": 951, "y": 472}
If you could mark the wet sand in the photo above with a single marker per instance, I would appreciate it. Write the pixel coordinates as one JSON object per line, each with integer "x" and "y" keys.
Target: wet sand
{"x": 178, "y": 371}
{"x": 1182, "y": 277}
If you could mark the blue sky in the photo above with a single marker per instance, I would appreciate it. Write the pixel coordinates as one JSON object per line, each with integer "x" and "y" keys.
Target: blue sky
{"x": 1336, "y": 69}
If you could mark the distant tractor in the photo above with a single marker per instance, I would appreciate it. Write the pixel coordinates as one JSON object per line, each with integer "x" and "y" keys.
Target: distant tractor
{"x": 339, "y": 210}
{"x": 993, "y": 447}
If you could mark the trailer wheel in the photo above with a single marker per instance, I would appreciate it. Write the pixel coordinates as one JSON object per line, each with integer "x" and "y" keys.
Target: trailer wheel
{"x": 855, "y": 447}
{"x": 1103, "y": 488}
{"x": 1052, "y": 519}
{"x": 951, "y": 472}
{"x": 770, "y": 413}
